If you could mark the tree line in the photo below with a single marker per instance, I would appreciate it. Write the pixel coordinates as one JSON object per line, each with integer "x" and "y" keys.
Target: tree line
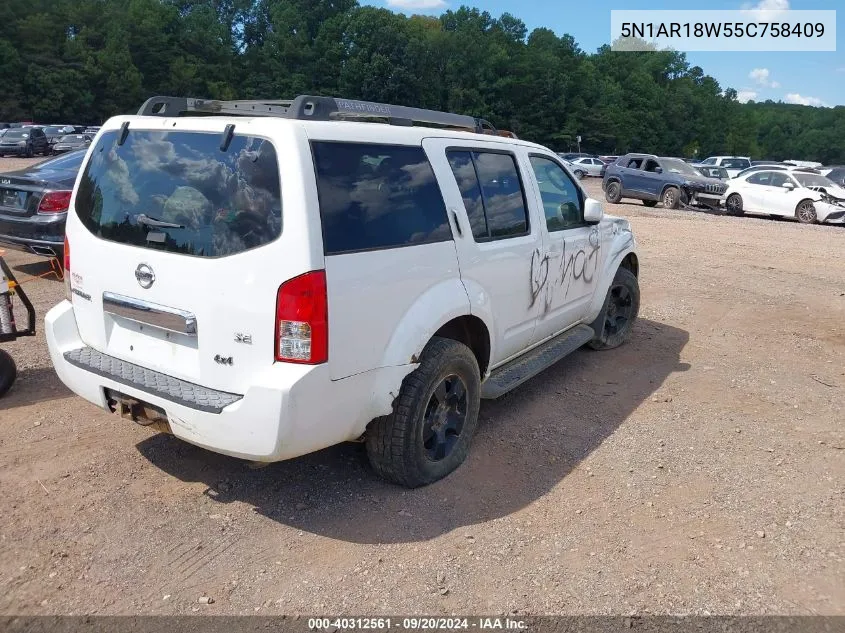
{"x": 82, "y": 61}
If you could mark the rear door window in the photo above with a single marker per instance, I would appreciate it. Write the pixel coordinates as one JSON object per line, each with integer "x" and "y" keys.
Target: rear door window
{"x": 377, "y": 196}
{"x": 178, "y": 192}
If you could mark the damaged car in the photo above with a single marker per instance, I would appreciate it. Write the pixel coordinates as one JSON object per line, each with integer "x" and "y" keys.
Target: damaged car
{"x": 654, "y": 179}
{"x": 806, "y": 196}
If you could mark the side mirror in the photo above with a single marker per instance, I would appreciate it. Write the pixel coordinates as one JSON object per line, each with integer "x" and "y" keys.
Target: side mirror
{"x": 593, "y": 211}
{"x": 788, "y": 185}
{"x": 658, "y": 170}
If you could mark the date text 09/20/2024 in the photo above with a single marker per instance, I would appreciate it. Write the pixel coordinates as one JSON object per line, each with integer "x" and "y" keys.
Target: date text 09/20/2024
{"x": 416, "y": 624}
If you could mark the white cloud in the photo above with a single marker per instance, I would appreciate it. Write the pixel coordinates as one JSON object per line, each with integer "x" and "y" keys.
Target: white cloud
{"x": 766, "y": 10}
{"x": 794, "y": 97}
{"x": 745, "y": 95}
{"x": 416, "y": 5}
{"x": 762, "y": 77}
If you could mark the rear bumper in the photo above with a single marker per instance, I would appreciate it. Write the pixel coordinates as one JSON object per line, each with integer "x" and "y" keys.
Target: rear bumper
{"x": 289, "y": 410}
{"x": 37, "y": 234}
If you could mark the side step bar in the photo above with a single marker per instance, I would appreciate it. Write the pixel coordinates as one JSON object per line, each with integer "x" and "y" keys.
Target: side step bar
{"x": 530, "y": 364}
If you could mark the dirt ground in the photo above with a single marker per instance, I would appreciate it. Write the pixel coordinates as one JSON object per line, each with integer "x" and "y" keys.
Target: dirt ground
{"x": 698, "y": 469}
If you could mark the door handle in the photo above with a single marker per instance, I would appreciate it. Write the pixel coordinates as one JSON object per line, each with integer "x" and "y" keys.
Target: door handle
{"x": 457, "y": 223}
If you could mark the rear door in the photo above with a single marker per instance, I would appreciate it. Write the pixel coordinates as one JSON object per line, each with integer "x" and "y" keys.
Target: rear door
{"x": 500, "y": 248}
{"x": 177, "y": 249}
{"x": 388, "y": 246}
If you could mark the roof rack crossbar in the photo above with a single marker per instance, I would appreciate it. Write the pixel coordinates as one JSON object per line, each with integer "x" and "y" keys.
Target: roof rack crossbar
{"x": 311, "y": 108}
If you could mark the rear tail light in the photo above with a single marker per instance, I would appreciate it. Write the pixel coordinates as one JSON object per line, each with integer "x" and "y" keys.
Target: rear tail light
{"x": 54, "y": 202}
{"x": 302, "y": 320}
{"x": 66, "y": 266}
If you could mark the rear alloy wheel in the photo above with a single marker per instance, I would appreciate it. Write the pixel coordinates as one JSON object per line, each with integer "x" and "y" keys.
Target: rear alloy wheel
{"x": 613, "y": 192}
{"x": 733, "y": 205}
{"x": 616, "y": 321}
{"x": 806, "y": 212}
{"x": 579, "y": 174}
{"x": 428, "y": 435}
{"x": 650, "y": 203}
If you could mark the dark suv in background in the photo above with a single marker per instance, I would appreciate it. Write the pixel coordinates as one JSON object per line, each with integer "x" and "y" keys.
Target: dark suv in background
{"x": 654, "y": 179}
{"x": 24, "y": 141}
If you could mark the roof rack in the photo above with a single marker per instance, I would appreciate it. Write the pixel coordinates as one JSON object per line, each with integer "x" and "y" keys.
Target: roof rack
{"x": 310, "y": 108}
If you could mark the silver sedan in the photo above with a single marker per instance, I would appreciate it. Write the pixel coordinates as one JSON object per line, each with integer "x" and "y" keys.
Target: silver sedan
{"x": 585, "y": 167}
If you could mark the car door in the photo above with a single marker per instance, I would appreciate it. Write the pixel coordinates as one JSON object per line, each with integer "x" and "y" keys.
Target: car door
{"x": 39, "y": 140}
{"x": 632, "y": 177}
{"x": 780, "y": 200}
{"x": 754, "y": 191}
{"x": 499, "y": 243}
{"x": 573, "y": 253}
{"x": 652, "y": 181}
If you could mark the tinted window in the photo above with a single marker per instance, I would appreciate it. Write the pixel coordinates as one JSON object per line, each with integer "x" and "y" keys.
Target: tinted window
{"x": 464, "y": 171}
{"x": 760, "y": 178}
{"x": 634, "y": 163}
{"x": 219, "y": 203}
{"x": 377, "y": 196}
{"x": 560, "y": 195}
{"x": 837, "y": 176}
{"x": 504, "y": 202}
{"x": 735, "y": 163}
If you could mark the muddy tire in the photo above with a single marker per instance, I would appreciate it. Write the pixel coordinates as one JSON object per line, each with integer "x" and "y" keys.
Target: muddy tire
{"x": 805, "y": 212}
{"x": 613, "y": 192}
{"x": 616, "y": 321}
{"x": 434, "y": 417}
{"x": 650, "y": 203}
{"x": 8, "y": 372}
{"x": 733, "y": 205}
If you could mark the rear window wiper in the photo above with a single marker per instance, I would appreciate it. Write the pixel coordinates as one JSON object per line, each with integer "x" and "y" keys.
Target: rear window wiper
{"x": 159, "y": 224}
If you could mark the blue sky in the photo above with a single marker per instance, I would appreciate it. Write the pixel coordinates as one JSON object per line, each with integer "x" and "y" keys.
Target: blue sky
{"x": 812, "y": 78}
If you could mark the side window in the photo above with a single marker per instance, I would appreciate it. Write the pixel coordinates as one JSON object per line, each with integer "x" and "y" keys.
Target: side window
{"x": 634, "y": 163}
{"x": 760, "y": 178}
{"x": 377, "y": 196}
{"x": 502, "y": 199}
{"x": 777, "y": 178}
{"x": 561, "y": 197}
{"x": 464, "y": 170}
{"x": 651, "y": 165}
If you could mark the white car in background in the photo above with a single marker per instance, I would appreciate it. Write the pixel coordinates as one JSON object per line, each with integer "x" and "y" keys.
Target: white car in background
{"x": 808, "y": 197}
{"x": 585, "y": 167}
{"x": 732, "y": 164}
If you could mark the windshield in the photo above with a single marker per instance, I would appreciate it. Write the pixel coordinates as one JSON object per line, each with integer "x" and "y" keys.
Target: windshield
{"x": 812, "y": 180}
{"x": 675, "y": 166}
{"x": 71, "y": 138}
{"x": 16, "y": 134}
{"x": 177, "y": 192}
{"x": 55, "y": 129}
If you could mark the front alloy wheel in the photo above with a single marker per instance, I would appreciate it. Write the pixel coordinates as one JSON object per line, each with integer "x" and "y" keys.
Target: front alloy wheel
{"x": 806, "y": 212}
{"x": 444, "y": 418}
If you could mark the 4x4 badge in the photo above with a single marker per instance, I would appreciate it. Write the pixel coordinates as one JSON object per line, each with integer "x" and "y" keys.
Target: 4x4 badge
{"x": 145, "y": 276}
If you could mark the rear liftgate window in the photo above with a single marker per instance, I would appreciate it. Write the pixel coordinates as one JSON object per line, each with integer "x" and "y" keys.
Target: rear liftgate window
{"x": 178, "y": 192}
{"x": 377, "y": 196}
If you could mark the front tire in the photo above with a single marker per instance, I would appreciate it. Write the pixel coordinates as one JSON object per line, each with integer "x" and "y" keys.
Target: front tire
{"x": 579, "y": 174}
{"x": 733, "y": 204}
{"x": 615, "y": 323}
{"x": 613, "y": 192}
{"x": 805, "y": 212}
{"x": 671, "y": 198}
{"x": 434, "y": 417}
{"x": 8, "y": 372}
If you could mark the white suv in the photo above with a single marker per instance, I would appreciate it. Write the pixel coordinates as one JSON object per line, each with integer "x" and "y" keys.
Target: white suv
{"x": 269, "y": 285}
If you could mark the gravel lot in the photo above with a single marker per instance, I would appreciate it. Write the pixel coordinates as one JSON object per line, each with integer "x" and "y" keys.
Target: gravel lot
{"x": 698, "y": 469}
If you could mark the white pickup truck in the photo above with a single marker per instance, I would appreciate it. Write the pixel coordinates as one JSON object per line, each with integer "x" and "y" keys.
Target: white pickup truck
{"x": 266, "y": 279}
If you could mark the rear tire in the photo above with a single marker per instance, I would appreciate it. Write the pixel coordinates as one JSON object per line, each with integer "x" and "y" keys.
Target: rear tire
{"x": 613, "y": 192}
{"x": 579, "y": 174}
{"x": 616, "y": 320}
{"x": 8, "y": 372}
{"x": 805, "y": 212}
{"x": 434, "y": 417}
{"x": 650, "y": 203}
